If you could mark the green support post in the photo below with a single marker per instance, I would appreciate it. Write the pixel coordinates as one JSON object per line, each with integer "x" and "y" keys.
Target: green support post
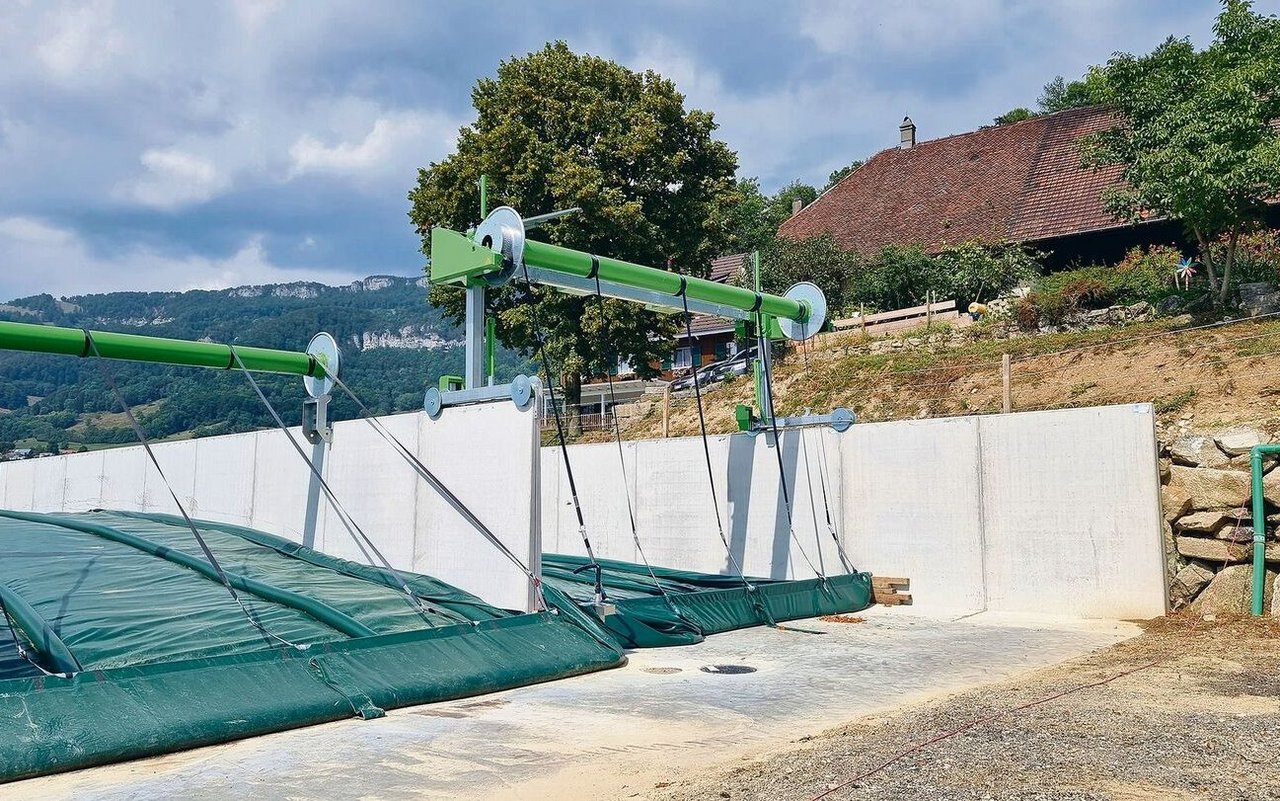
{"x": 490, "y": 347}
{"x": 1259, "y": 524}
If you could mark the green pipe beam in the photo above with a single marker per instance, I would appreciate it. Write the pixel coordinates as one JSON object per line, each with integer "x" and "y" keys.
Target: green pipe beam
{"x": 317, "y": 610}
{"x": 39, "y": 632}
{"x": 1259, "y": 524}
{"x": 579, "y": 264}
{"x": 133, "y": 347}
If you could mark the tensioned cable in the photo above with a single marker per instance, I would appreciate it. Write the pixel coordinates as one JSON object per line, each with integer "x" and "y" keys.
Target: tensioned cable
{"x": 357, "y": 534}
{"x": 622, "y": 463}
{"x": 813, "y": 507}
{"x": 426, "y": 475}
{"x": 195, "y": 532}
{"x": 706, "y": 452}
{"x": 763, "y": 345}
{"x": 826, "y": 504}
{"x": 532, "y": 303}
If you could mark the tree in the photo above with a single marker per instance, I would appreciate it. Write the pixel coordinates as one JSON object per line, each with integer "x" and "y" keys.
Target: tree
{"x": 837, "y": 176}
{"x": 1014, "y": 115}
{"x": 1196, "y": 140}
{"x": 783, "y": 262}
{"x": 753, "y": 217}
{"x": 1060, "y": 95}
{"x": 556, "y": 129}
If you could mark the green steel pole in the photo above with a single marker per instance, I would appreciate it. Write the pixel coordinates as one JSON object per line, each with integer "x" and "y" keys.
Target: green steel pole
{"x": 484, "y": 196}
{"x": 579, "y": 264}
{"x": 133, "y": 347}
{"x": 1259, "y": 525}
{"x": 490, "y": 347}
{"x": 756, "y": 373}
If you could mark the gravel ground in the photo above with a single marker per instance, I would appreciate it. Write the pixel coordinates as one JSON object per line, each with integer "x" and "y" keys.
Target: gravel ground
{"x": 1198, "y": 718}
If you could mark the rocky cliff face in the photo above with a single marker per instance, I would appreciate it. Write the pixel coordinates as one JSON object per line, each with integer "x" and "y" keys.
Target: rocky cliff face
{"x": 409, "y": 336}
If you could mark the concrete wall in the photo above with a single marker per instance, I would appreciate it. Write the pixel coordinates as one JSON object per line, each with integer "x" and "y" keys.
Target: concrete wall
{"x": 480, "y": 452}
{"x": 1049, "y": 512}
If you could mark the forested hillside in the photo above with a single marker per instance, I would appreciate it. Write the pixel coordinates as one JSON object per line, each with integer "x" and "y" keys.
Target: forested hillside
{"x": 394, "y": 343}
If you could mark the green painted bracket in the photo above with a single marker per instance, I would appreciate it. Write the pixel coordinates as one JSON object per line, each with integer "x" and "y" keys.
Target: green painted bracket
{"x": 742, "y": 413}
{"x": 455, "y": 259}
{"x": 451, "y": 383}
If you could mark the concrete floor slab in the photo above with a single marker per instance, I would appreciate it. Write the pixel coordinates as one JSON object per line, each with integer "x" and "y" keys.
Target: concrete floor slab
{"x": 614, "y": 734}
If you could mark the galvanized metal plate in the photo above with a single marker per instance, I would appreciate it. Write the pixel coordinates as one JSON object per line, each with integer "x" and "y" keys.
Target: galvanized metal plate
{"x": 812, "y": 296}
{"x": 433, "y": 403}
{"x": 503, "y": 232}
{"x": 324, "y": 349}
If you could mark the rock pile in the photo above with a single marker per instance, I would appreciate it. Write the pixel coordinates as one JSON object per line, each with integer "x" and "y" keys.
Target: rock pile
{"x": 1206, "y": 499}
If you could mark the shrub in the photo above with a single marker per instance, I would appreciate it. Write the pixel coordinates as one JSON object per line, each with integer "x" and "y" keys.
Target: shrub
{"x": 1257, "y": 255}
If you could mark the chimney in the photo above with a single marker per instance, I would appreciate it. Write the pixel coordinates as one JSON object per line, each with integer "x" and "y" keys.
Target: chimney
{"x": 796, "y": 205}
{"x": 907, "y": 134}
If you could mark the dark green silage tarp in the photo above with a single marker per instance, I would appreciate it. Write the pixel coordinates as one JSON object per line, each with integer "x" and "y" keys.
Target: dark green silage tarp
{"x": 683, "y": 607}
{"x": 169, "y": 661}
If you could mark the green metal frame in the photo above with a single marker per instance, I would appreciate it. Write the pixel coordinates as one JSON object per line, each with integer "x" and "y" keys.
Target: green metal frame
{"x": 133, "y": 347}
{"x": 456, "y": 259}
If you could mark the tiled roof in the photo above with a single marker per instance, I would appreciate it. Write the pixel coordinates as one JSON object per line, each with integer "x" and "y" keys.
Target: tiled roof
{"x": 1016, "y": 182}
{"x": 724, "y": 268}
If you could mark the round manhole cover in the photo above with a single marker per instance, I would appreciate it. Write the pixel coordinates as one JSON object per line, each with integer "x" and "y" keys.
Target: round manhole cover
{"x": 729, "y": 669}
{"x": 661, "y": 671}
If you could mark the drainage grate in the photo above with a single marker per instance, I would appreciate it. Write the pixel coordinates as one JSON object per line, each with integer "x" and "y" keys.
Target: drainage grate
{"x": 729, "y": 669}
{"x": 660, "y": 671}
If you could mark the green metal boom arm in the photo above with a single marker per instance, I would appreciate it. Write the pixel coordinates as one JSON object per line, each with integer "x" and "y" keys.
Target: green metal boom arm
{"x": 137, "y": 348}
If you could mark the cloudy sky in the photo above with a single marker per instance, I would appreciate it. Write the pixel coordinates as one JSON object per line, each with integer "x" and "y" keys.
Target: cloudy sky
{"x": 160, "y": 145}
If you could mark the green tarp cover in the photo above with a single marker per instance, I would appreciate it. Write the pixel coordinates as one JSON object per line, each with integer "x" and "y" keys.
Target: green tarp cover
{"x": 167, "y": 661}
{"x": 683, "y": 607}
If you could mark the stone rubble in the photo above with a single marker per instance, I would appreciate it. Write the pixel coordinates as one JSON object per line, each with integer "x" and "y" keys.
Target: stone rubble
{"x": 1206, "y": 499}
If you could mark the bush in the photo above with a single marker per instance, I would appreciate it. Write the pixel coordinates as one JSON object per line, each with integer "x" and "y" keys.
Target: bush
{"x": 1257, "y": 256}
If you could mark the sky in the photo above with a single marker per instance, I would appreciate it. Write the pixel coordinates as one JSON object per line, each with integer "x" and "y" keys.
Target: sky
{"x": 170, "y": 146}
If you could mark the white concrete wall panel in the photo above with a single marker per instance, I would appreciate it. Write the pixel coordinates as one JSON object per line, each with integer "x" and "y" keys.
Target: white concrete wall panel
{"x": 1070, "y": 510}
{"x": 124, "y": 479}
{"x": 483, "y": 454}
{"x": 226, "y": 470}
{"x": 178, "y": 461}
{"x": 381, "y": 501}
{"x": 280, "y": 487}
{"x": 50, "y": 482}
{"x": 912, "y": 507}
{"x": 84, "y": 482}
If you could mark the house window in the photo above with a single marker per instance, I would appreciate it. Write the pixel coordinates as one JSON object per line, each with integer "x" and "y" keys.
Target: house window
{"x": 684, "y": 358}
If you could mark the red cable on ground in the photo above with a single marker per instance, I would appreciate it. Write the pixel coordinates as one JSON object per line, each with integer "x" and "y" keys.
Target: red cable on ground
{"x": 979, "y": 722}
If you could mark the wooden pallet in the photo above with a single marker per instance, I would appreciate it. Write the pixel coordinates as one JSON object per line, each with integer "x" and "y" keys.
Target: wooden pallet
{"x": 890, "y": 590}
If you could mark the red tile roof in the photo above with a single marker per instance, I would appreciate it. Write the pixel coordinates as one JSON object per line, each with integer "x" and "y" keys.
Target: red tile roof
{"x": 724, "y": 268}
{"x": 1017, "y": 182}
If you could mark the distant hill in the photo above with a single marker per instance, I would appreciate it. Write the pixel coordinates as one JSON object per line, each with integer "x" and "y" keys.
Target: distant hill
{"x": 394, "y": 344}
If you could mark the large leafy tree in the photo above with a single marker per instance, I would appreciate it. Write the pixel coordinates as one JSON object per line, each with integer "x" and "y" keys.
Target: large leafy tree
{"x": 1197, "y": 139}
{"x": 1060, "y": 94}
{"x": 557, "y": 129}
{"x": 753, "y": 217}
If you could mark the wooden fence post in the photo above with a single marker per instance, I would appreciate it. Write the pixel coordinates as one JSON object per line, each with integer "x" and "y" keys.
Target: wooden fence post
{"x": 666, "y": 412}
{"x": 1006, "y": 374}
{"x": 928, "y": 309}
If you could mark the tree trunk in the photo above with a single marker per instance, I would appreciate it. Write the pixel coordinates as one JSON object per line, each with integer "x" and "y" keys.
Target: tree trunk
{"x": 572, "y": 383}
{"x": 1229, "y": 262}
{"x": 1206, "y": 258}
